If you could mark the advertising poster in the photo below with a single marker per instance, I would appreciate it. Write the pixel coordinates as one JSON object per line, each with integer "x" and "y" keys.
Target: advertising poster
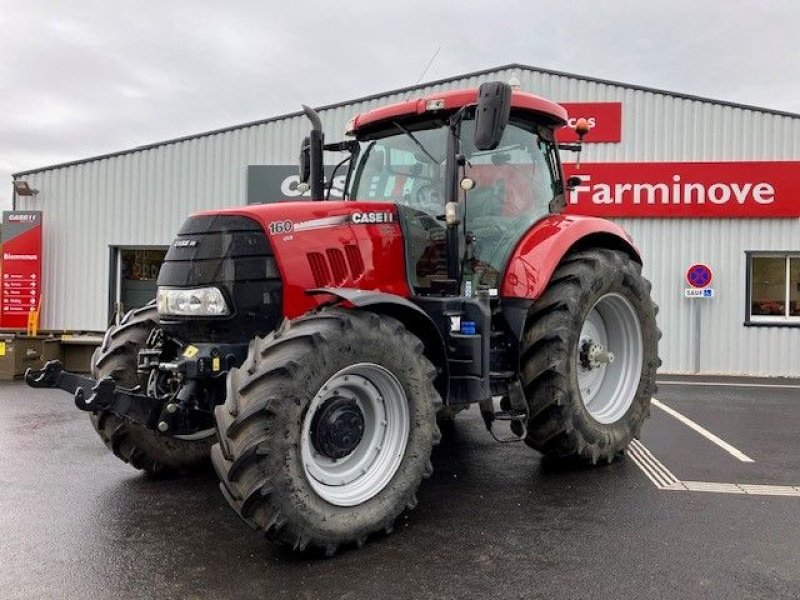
{"x": 21, "y": 267}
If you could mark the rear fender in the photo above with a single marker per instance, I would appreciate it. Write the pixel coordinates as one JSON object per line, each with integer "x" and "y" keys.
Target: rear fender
{"x": 409, "y": 314}
{"x": 543, "y": 247}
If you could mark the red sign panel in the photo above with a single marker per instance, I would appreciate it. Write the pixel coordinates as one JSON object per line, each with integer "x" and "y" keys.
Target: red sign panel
{"x": 686, "y": 189}
{"x": 604, "y": 118}
{"x": 22, "y": 267}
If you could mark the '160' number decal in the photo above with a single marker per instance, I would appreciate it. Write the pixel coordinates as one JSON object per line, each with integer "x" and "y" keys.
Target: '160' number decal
{"x": 278, "y": 227}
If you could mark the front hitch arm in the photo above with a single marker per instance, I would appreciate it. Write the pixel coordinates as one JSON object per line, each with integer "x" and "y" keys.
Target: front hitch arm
{"x": 98, "y": 396}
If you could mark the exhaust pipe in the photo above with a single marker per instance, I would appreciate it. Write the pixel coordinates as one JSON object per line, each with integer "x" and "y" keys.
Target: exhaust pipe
{"x": 316, "y": 143}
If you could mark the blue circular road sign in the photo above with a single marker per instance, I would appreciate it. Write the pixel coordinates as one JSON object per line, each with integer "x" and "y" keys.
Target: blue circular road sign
{"x": 699, "y": 276}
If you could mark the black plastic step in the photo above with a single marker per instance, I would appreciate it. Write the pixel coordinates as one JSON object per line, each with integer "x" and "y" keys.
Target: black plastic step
{"x": 510, "y": 415}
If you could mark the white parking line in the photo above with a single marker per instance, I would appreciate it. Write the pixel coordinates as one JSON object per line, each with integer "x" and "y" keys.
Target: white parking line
{"x": 663, "y": 478}
{"x": 738, "y": 454}
{"x": 779, "y": 386}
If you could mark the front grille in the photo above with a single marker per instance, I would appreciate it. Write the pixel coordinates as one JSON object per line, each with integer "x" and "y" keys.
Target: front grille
{"x": 319, "y": 269}
{"x": 338, "y": 265}
{"x": 355, "y": 260}
{"x": 233, "y": 254}
{"x": 334, "y": 267}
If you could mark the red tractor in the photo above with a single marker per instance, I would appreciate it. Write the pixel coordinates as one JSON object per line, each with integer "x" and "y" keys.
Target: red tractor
{"x": 310, "y": 347}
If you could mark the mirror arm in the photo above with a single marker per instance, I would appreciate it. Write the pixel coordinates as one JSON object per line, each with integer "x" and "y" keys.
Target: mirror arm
{"x": 346, "y": 146}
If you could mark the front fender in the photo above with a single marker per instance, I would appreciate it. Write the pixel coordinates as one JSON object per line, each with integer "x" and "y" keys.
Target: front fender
{"x": 541, "y": 249}
{"x": 416, "y": 320}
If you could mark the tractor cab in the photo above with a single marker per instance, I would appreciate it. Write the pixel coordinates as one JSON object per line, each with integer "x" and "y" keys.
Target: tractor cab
{"x": 468, "y": 177}
{"x": 500, "y": 192}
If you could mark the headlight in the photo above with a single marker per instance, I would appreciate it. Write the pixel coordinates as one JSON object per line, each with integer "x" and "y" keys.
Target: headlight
{"x": 200, "y": 302}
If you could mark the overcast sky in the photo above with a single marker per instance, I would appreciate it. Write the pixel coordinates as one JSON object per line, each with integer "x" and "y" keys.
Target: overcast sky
{"x": 95, "y": 76}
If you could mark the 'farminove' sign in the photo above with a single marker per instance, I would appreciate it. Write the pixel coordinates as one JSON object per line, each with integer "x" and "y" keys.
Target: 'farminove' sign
{"x": 684, "y": 189}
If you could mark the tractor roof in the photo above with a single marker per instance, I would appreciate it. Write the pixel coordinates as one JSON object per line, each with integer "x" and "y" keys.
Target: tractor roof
{"x": 451, "y": 101}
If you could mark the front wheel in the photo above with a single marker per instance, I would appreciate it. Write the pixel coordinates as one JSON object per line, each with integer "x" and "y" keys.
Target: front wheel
{"x": 589, "y": 358}
{"x": 327, "y": 429}
{"x": 158, "y": 454}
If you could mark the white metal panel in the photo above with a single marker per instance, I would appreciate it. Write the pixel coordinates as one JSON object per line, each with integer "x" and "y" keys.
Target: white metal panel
{"x": 669, "y": 247}
{"x": 141, "y": 198}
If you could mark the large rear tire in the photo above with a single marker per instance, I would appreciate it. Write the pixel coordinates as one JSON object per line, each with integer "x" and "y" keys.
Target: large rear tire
{"x": 327, "y": 429}
{"x": 158, "y": 454}
{"x": 589, "y": 358}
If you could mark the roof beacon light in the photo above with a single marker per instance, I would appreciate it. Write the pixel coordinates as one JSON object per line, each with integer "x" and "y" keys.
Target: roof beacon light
{"x": 581, "y": 128}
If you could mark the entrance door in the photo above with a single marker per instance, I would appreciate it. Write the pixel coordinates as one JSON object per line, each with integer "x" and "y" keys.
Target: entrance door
{"x": 136, "y": 275}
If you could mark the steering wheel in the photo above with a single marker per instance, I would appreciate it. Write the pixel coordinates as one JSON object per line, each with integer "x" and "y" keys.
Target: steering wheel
{"x": 495, "y": 235}
{"x": 429, "y": 199}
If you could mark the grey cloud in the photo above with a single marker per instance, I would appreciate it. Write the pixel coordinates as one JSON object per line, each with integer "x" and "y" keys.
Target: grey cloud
{"x": 78, "y": 79}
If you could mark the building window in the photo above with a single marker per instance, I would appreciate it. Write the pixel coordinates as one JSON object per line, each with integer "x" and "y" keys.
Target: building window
{"x": 774, "y": 294}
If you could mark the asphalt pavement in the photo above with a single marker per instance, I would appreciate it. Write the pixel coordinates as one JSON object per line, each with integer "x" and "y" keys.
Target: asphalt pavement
{"x": 494, "y": 521}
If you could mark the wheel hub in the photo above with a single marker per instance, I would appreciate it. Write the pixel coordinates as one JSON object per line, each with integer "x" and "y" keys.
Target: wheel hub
{"x": 607, "y": 380}
{"x": 337, "y": 427}
{"x": 593, "y": 356}
{"x": 354, "y": 434}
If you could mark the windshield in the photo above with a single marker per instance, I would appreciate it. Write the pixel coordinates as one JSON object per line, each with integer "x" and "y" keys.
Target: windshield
{"x": 406, "y": 168}
{"x": 514, "y": 185}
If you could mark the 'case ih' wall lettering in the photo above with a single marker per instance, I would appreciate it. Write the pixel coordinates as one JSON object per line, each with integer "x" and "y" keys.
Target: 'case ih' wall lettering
{"x": 21, "y": 267}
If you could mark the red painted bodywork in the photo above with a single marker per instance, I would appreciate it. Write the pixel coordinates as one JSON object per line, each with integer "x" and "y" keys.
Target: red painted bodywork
{"x": 541, "y": 249}
{"x": 298, "y": 230}
{"x": 454, "y": 100}
{"x": 379, "y": 245}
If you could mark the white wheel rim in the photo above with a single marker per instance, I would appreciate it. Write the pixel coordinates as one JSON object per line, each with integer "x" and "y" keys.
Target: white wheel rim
{"x": 370, "y": 466}
{"x": 610, "y": 354}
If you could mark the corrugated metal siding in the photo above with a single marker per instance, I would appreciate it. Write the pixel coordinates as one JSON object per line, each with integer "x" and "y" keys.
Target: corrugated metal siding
{"x": 141, "y": 199}
{"x": 726, "y": 346}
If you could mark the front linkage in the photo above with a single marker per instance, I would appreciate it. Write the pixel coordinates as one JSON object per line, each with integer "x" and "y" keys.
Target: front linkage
{"x": 104, "y": 396}
{"x": 173, "y": 413}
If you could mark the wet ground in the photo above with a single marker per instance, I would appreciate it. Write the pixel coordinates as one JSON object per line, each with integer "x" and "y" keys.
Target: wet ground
{"x": 494, "y": 521}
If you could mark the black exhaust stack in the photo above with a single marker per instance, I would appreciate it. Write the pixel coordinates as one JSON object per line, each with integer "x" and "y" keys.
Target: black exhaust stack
{"x": 311, "y": 168}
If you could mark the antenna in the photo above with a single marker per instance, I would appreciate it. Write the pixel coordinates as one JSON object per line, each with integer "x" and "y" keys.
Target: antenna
{"x": 425, "y": 70}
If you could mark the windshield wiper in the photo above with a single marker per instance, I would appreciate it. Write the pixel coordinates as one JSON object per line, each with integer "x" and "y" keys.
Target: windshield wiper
{"x": 416, "y": 141}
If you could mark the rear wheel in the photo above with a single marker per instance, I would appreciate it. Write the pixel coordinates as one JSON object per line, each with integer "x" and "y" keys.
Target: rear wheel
{"x": 159, "y": 454}
{"x": 589, "y": 358}
{"x": 327, "y": 429}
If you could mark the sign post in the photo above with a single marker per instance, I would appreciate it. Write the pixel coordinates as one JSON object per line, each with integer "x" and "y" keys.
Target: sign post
{"x": 21, "y": 285}
{"x": 699, "y": 276}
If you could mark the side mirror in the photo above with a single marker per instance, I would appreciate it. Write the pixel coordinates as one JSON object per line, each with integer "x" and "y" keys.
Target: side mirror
{"x": 492, "y": 114}
{"x": 305, "y": 160}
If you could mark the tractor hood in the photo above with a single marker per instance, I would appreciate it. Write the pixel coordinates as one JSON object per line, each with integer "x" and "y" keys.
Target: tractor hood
{"x": 329, "y": 244}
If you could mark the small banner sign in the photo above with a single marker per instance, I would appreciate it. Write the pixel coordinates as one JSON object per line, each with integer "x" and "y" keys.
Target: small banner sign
{"x": 604, "y": 120}
{"x": 21, "y": 267}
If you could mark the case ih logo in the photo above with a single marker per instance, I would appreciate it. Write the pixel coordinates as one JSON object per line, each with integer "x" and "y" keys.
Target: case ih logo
{"x": 368, "y": 218}
{"x": 21, "y": 218}
{"x": 747, "y": 189}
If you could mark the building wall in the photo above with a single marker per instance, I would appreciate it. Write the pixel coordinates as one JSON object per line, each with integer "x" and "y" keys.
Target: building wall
{"x": 726, "y": 345}
{"x": 141, "y": 198}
